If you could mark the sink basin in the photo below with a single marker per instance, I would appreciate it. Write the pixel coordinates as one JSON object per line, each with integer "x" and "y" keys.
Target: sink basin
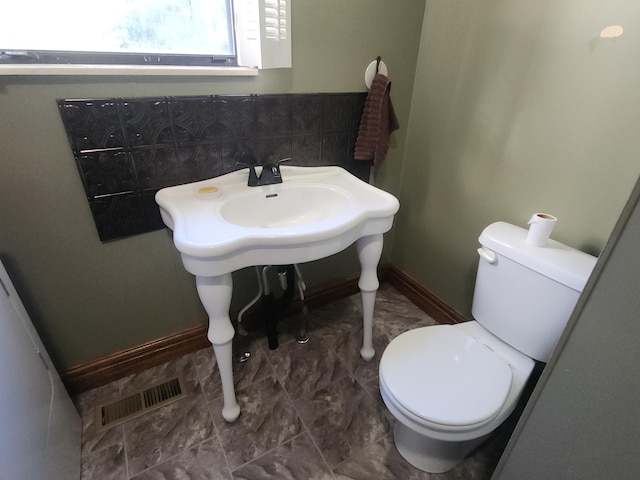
{"x": 290, "y": 205}
{"x": 221, "y": 225}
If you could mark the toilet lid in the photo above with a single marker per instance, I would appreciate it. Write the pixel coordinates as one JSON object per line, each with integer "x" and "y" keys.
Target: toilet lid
{"x": 445, "y": 376}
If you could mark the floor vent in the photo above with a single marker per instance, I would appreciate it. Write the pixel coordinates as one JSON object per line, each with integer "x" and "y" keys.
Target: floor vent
{"x": 139, "y": 403}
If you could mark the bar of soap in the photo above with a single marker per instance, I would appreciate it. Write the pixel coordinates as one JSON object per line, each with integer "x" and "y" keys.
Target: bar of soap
{"x": 208, "y": 192}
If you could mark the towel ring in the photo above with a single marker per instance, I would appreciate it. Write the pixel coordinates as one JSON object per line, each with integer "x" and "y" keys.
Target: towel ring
{"x": 373, "y": 68}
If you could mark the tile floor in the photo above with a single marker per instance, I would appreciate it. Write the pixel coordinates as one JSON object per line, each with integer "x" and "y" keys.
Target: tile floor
{"x": 309, "y": 411}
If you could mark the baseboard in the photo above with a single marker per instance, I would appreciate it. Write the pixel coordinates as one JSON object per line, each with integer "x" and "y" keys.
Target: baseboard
{"x": 423, "y": 298}
{"x": 134, "y": 360}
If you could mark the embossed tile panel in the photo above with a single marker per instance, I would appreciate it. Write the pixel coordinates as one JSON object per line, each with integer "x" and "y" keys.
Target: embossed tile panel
{"x": 126, "y": 149}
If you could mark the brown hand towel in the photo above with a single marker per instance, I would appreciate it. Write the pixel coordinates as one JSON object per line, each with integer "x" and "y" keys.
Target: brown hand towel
{"x": 378, "y": 121}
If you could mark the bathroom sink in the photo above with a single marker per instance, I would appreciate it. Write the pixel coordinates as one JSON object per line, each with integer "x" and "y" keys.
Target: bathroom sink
{"x": 221, "y": 225}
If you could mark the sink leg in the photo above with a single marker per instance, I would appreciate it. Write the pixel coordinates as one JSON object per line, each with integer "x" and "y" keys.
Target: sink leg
{"x": 369, "y": 252}
{"x": 215, "y": 295}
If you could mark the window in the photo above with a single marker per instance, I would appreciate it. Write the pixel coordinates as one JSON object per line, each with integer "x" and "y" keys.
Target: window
{"x": 146, "y": 32}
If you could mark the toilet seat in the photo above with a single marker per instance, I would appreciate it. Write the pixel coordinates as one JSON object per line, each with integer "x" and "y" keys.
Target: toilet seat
{"x": 444, "y": 376}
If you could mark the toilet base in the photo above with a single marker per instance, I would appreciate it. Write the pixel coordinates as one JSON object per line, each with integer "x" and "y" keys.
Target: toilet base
{"x": 431, "y": 455}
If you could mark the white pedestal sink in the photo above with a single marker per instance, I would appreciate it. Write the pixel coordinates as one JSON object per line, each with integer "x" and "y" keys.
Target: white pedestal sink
{"x": 221, "y": 225}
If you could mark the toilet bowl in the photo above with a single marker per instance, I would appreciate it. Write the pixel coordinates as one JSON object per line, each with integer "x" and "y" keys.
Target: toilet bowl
{"x": 449, "y": 386}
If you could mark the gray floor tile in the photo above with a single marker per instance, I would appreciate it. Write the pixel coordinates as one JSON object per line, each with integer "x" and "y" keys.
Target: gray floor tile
{"x": 203, "y": 462}
{"x": 381, "y": 461}
{"x": 163, "y": 433}
{"x": 305, "y": 368}
{"x": 293, "y": 460}
{"x": 267, "y": 419}
{"x": 106, "y": 464}
{"x": 254, "y": 369}
{"x": 155, "y": 375}
{"x": 342, "y": 419}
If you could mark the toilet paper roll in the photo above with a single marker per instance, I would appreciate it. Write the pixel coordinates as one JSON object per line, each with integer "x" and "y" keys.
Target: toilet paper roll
{"x": 540, "y": 228}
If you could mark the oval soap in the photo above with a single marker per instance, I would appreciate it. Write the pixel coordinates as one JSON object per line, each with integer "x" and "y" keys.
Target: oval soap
{"x": 206, "y": 190}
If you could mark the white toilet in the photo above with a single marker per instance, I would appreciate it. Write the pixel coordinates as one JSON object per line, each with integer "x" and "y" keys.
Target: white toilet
{"x": 450, "y": 386}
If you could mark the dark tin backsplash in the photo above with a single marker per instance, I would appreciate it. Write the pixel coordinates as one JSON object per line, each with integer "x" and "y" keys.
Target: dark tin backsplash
{"x": 126, "y": 149}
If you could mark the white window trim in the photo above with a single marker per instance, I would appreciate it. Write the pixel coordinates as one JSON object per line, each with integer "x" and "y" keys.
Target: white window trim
{"x": 255, "y": 50}
{"x": 167, "y": 70}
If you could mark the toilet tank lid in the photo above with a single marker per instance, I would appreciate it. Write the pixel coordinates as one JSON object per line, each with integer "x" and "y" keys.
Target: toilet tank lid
{"x": 555, "y": 260}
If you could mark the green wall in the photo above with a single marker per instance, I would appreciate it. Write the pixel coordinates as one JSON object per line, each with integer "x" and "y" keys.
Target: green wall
{"x": 89, "y": 299}
{"x": 518, "y": 107}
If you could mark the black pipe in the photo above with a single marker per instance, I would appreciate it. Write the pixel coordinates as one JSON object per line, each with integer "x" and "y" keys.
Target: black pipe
{"x": 270, "y": 323}
{"x": 271, "y": 306}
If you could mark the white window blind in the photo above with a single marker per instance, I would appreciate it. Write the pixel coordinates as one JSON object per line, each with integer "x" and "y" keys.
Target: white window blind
{"x": 275, "y": 19}
{"x": 263, "y": 33}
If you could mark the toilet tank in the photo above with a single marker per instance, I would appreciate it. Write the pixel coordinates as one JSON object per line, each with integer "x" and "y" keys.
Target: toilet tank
{"x": 524, "y": 295}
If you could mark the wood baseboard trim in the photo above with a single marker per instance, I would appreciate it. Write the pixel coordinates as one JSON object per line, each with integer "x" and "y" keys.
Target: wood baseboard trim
{"x": 423, "y": 298}
{"x": 134, "y": 360}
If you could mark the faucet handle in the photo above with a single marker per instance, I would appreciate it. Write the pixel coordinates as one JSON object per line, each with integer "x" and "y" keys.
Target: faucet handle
{"x": 275, "y": 169}
{"x": 270, "y": 174}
